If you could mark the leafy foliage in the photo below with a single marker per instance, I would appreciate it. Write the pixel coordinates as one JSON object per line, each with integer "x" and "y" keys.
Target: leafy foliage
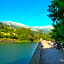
{"x": 21, "y": 33}
{"x": 56, "y": 10}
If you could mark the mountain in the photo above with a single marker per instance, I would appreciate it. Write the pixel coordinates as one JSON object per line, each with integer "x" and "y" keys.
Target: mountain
{"x": 45, "y": 29}
{"x": 14, "y": 24}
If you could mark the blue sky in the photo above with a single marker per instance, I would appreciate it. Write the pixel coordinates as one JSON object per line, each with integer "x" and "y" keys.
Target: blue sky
{"x": 28, "y": 12}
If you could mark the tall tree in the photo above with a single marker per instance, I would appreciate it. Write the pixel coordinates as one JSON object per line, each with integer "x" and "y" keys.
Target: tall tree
{"x": 56, "y": 10}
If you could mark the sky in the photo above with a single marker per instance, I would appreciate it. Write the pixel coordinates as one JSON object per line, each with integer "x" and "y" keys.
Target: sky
{"x": 28, "y": 12}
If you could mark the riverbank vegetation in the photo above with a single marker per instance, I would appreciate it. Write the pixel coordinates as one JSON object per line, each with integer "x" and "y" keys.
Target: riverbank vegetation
{"x": 21, "y": 34}
{"x": 56, "y": 13}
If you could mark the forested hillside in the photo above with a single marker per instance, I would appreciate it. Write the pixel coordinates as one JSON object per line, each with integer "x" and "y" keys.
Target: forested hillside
{"x": 7, "y": 32}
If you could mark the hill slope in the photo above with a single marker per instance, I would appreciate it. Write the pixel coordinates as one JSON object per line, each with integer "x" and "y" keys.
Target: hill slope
{"x": 45, "y": 29}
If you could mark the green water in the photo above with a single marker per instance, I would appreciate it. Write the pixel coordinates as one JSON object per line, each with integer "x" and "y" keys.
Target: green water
{"x": 17, "y": 53}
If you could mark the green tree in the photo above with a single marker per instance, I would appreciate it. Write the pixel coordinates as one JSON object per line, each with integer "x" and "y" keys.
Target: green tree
{"x": 56, "y": 10}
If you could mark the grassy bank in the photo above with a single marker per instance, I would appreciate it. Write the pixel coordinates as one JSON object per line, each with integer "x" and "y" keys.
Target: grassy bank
{"x": 9, "y": 41}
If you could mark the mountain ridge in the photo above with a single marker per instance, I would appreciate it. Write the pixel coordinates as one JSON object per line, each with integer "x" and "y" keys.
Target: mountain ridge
{"x": 45, "y": 29}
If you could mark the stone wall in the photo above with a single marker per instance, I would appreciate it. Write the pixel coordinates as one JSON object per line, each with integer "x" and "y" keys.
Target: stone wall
{"x": 36, "y": 56}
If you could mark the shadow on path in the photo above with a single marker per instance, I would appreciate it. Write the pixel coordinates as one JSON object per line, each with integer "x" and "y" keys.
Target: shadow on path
{"x": 51, "y": 56}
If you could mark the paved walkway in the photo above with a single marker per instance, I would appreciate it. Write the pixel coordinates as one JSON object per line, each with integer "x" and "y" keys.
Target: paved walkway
{"x": 51, "y": 56}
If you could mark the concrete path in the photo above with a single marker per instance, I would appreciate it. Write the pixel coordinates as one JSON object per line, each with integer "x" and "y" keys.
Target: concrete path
{"x": 50, "y": 55}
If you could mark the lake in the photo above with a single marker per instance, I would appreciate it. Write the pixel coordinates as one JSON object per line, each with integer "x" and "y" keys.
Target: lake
{"x": 17, "y": 53}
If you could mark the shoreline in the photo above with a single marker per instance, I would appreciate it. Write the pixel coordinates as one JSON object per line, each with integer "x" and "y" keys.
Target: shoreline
{"x": 8, "y": 41}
